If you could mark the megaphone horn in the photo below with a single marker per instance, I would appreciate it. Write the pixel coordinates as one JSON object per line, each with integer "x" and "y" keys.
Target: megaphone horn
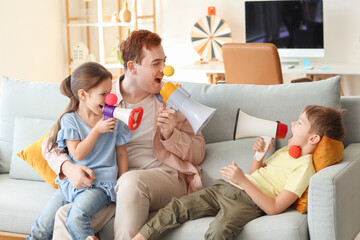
{"x": 132, "y": 117}
{"x": 177, "y": 98}
{"x": 249, "y": 126}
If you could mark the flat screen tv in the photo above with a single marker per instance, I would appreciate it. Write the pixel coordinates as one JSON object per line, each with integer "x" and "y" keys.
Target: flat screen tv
{"x": 296, "y": 27}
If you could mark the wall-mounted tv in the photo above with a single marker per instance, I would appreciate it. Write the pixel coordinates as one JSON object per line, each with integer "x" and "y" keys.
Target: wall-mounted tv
{"x": 296, "y": 27}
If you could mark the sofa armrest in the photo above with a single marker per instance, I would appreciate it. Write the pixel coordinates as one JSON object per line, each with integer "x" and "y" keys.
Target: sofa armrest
{"x": 334, "y": 195}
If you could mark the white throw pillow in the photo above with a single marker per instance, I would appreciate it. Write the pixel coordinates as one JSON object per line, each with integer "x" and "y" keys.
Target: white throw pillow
{"x": 27, "y": 131}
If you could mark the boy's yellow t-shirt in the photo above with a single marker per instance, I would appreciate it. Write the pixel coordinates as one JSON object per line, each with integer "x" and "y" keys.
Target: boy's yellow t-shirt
{"x": 283, "y": 172}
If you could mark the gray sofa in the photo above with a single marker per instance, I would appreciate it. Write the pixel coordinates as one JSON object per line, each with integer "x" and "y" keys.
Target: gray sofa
{"x": 334, "y": 192}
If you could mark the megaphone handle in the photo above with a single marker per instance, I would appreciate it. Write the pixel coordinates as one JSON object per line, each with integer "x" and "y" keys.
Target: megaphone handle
{"x": 259, "y": 155}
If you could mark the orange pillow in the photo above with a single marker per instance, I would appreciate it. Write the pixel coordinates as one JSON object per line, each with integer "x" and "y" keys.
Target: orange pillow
{"x": 328, "y": 152}
{"x": 33, "y": 156}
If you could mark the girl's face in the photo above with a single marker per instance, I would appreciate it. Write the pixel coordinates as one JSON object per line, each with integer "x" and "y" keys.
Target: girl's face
{"x": 95, "y": 97}
{"x": 301, "y": 131}
{"x": 150, "y": 71}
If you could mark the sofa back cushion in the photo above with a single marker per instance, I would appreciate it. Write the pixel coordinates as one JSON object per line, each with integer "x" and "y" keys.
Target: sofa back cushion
{"x": 282, "y": 103}
{"x": 351, "y": 119}
{"x": 26, "y": 132}
{"x": 25, "y": 99}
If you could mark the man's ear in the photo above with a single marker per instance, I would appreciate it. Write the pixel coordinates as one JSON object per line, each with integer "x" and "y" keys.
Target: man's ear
{"x": 132, "y": 67}
{"x": 315, "y": 139}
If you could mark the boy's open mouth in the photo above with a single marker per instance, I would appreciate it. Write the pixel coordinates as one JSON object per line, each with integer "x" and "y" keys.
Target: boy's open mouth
{"x": 158, "y": 80}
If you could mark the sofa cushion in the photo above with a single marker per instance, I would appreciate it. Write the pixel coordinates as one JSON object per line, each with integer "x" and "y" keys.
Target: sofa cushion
{"x": 288, "y": 225}
{"x": 25, "y": 99}
{"x": 23, "y": 203}
{"x": 26, "y": 132}
{"x": 351, "y": 119}
{"x": 283, "y": 102}
{"x": 218, "y": 155}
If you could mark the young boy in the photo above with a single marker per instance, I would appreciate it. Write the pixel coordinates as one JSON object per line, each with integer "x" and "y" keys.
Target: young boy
{"x": 268, "y": 188}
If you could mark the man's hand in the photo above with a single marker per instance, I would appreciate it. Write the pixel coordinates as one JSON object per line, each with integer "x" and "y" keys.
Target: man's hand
{"x": 233, "y": 173}
{"x": 167, "y": 120}
{"x": 79, "y": 176}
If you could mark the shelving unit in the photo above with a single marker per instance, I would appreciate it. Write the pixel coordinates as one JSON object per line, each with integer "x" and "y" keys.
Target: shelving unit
{"x": 91, "y": 25}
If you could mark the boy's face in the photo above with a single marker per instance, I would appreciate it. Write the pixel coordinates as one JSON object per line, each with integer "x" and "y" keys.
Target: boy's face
{"x": 150, "y": 71}
{"x": 301, "y": 131}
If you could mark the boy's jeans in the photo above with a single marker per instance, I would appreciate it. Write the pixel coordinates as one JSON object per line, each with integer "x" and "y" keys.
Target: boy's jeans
{"x": 84, "y": 206}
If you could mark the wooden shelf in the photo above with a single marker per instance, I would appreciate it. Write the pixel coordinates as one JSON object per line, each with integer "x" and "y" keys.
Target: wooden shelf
{"x": 102, "y": 22}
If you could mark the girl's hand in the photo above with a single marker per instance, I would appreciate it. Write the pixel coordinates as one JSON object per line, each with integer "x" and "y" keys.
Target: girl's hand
{"x": 103, "y": 126}
{"x": 167, "y": 120}
{"x": 233, "y": 173}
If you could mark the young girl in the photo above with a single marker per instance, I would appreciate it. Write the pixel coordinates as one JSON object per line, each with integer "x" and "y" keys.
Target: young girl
{"x": 90, "y": 141}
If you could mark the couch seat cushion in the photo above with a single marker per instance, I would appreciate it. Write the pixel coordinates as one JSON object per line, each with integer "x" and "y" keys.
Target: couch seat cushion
{"x": 289, "y": 225}
{"x": 23, "y": 203}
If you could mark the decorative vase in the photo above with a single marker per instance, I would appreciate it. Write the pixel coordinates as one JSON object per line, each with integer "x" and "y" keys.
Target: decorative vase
{"x": 114, "y": 18}
{"x": 125, "y": 14}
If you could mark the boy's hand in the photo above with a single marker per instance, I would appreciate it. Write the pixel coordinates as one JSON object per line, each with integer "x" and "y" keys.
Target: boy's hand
{"x": 167, "y": 120}
{"x": 259, "y": 145}
{"x": 103, "y": 126}
{"x": 233, "y": 173}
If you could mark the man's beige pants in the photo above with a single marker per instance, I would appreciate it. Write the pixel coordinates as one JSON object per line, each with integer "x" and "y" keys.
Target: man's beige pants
{"x": 138, "y": 192}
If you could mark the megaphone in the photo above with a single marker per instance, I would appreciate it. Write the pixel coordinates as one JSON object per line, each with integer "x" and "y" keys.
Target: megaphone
{"x": 249, "y": 126}
{"x": 132, "y": 117}
{"x": 179, "y": 99}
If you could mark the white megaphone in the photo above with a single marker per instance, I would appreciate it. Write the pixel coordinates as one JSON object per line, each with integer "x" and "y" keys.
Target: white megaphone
{"x": 132, "y": 117}
{"x": 249, "y": 126}
{"x": 177, "y": 98}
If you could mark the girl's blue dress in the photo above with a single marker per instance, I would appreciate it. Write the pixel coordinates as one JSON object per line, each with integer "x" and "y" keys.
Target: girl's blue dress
{"x": 101, "y": 159}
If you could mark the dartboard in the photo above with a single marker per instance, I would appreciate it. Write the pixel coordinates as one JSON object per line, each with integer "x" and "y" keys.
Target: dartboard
{"x": 208, "y": 35}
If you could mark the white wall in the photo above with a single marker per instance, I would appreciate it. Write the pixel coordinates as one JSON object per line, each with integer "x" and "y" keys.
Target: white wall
{"x": 33, "y": 35}
{"x": 33, "y": 40}
{"x": 341, "y": 20}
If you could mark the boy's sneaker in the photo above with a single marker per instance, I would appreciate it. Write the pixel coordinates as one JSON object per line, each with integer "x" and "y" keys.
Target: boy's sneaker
{"x": 92, "y": 238}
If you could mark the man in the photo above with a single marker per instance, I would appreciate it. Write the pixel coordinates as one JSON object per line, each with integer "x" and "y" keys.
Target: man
{"x": 164, "y": 153}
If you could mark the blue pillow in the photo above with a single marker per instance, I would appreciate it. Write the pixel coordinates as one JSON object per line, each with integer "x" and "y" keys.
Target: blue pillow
{"x": 27, "y": 131}
{"x": 20, "y": 98}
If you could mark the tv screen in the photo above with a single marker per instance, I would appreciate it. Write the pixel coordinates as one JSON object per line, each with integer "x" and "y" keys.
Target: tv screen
{"x": 295, "y": 27}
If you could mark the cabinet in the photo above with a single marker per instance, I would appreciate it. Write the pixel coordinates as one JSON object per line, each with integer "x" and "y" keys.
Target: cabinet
{"x": 92, "y": 35}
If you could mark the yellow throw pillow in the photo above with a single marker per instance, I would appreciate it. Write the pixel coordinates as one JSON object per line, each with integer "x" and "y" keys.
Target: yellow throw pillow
{"x": 32, "y": 155}
{"x": 328, "y": 152}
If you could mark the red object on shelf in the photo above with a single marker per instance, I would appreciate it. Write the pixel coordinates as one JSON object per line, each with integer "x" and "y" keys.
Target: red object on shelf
{"x": 211, "y": 10}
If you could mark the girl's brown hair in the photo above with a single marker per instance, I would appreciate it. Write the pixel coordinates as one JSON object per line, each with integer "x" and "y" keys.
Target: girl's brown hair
{"x": 326, "y": 121}
{"x": 86, "y": 76}
{"x": 132, "y": 48}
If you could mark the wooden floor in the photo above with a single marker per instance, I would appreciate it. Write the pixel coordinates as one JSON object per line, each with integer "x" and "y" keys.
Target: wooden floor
{"x": 12, "y": 236}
